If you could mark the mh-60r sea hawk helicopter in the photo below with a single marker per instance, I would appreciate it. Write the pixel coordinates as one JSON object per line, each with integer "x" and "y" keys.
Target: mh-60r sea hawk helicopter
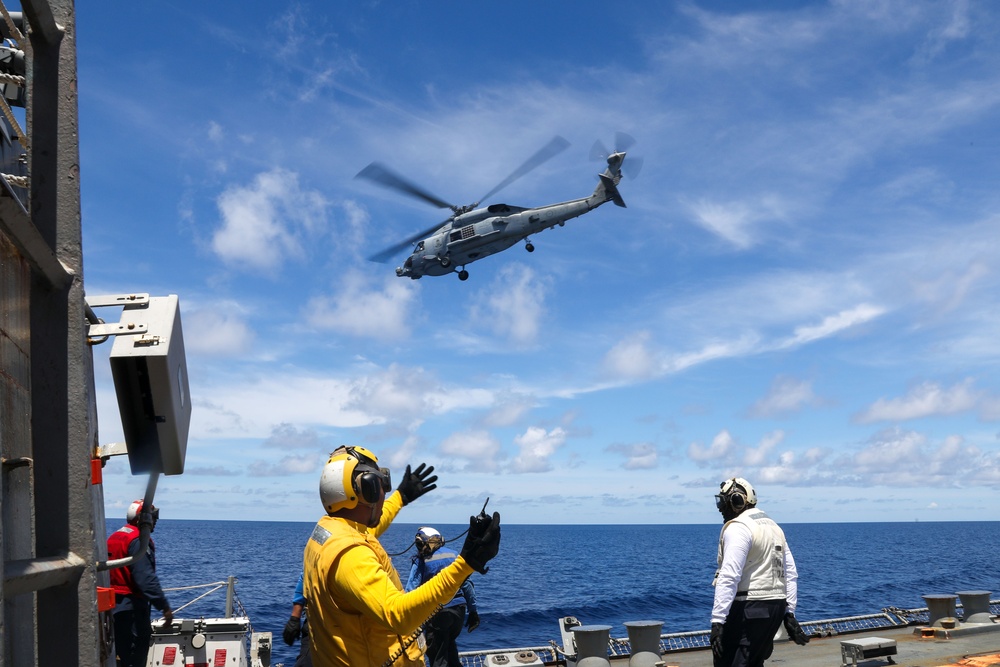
{"x": 472, "y": 233}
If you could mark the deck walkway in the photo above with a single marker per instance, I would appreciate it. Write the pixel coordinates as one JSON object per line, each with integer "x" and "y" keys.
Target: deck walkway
{"x": 912, "y": 650}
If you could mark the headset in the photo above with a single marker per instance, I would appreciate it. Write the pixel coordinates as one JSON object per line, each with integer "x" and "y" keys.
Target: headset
{"x": 369, "y": 480}
{"x": 736, "y": 495}
{"x": 350, "y": 476}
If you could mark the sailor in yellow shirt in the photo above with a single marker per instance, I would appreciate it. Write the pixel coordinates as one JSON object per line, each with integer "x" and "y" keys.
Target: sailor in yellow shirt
{"x": 359, "y": 615}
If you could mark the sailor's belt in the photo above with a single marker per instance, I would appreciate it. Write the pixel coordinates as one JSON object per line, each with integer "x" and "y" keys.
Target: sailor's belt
{"x": 741, "y": 597}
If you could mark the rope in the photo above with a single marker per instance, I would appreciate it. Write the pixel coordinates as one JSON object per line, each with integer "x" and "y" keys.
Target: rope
{"x": 14, "y": 32}
{"x": 15, "y": 79}
{"x": 13, "y": 121}
{"x": 16, "y": 181}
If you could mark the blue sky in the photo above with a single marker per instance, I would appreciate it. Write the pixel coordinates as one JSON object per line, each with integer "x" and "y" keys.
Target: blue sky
{"x": 802, "y": 291}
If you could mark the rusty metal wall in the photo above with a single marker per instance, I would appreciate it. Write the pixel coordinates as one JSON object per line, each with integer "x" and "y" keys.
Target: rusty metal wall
{"x": 16, "y": 527}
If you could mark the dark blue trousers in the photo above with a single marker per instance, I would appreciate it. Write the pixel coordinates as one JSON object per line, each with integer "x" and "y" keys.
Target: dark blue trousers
{"x": 748, "y": 633}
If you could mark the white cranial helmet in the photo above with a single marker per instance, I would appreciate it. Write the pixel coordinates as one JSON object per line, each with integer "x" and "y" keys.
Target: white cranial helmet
{"x": 428, "y": 540}
{"x": 738, "y": 493}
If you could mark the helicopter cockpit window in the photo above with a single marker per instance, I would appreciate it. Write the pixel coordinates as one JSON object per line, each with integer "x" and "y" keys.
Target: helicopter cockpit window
{"x": 420, "y": 247}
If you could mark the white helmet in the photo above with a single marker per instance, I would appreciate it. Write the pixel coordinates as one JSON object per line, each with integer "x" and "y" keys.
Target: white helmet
{"x": 135, "y": 511}
{"x": 352, "y": 475}
{"x": 736, "y": 494}
{"x": 428, "y": 540}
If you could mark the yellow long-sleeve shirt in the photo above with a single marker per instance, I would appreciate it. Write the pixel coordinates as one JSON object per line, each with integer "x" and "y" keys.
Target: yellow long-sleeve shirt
{"x": 359, "y": 615}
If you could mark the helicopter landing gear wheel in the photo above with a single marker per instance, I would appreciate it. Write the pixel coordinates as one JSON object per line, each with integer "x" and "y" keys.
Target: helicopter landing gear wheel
{"x": 463, "y": 275}
{"x": 529, "y": 247}
{"x": 446, "y": 262}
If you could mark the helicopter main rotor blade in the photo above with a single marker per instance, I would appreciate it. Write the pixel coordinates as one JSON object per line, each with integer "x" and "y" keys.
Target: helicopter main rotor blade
{"x": 382, "y": 175}
{"x": 385, "y": 255}
{"x": 547, "y": 152}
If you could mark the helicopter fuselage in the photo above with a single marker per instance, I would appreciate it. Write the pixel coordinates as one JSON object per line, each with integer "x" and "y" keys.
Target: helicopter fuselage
{"x": 486, "y": 231}
{"x": 472, "y": 235}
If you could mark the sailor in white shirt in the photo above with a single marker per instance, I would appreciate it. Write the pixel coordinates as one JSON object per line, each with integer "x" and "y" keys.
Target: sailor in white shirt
{"x": 756, "y": 585}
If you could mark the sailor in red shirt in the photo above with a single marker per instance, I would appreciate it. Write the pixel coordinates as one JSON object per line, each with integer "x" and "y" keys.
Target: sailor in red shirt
{"x": 136, "y": 587}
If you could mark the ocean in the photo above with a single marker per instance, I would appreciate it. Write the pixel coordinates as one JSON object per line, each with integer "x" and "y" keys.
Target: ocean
{"x": 599, "y": 574}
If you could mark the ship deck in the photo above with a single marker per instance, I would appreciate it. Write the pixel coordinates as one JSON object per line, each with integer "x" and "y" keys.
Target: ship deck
{"x": 912, "y": 650}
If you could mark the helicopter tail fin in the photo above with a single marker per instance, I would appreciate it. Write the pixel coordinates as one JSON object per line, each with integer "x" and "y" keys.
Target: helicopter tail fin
{"x": 608, "y": 189}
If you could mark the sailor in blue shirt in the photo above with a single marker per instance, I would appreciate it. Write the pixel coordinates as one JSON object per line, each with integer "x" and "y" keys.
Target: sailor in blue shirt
{"x": 443, "y": 628}
{"x": 298, "y": 626}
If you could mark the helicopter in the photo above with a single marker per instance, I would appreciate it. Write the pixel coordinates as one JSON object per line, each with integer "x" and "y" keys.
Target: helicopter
{"x": 472, "y": 233}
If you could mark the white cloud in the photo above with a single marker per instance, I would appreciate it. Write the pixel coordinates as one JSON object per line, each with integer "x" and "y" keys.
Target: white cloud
{"x": 785, "y": 396}
{"x": 215, "y": 132}
{"x": 358, "y": 309}
{"x": 267, "y": 222}
{"x": 956, "y": 29}
{"x": 638, "y": 456}
{"x": 507, "y": 409}
{"x": 832, "y": 325}
{"x": 217, "y": 330}
{"x": 747, "y": 344}
{"x": 721, "y": 447}
{"x": 948, "y": 290}
{"x": 891, "y": 450}
{"x": 632, "y": 358}
{"x": 536, "y": 446}
{"x": 756, "y": 456}
{"x": 287, "y": 436}
{"x": 397, "y": 393}
{"x": 514, "y": 305}
{"x": 288, "y": 465}
{"x": 926, "y": 399}
{"x": 735, "y": 222}
{"x": 480, "y": 449}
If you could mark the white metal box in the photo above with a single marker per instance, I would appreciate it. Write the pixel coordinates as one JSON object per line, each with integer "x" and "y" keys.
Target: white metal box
{"x": 853, "y": 651}
{"x": 150, "y": 374}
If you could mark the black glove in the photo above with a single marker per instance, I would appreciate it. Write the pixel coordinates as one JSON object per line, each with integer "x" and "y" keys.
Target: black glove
{"x": 416, "y": 483}
{"x": 716, "y": 640}
{"x": 473, "y": 621}
{"x": 483, "y": 541}
{"x": 293, "y": 629}
{"x": 795, "y": 631}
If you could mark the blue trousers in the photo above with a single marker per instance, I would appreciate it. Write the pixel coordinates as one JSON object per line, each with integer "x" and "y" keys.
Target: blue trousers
{"x": 132, "y": 632}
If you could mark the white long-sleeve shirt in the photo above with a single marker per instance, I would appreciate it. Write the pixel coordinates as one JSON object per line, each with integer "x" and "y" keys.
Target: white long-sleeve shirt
{"x": 736, "y": 541}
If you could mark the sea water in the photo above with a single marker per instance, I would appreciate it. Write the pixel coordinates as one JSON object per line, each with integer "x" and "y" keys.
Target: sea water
{"x": 599, "y": 574}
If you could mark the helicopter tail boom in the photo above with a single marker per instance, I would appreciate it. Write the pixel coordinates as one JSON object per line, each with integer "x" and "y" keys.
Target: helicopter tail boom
{"x": 609, "y": 190}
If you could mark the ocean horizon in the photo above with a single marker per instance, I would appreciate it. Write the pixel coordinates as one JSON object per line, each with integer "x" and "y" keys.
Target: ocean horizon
{"x": 601, "y": 574}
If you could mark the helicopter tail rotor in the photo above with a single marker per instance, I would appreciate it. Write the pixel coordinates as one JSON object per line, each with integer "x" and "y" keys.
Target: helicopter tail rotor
{"x": 623, "y": 142}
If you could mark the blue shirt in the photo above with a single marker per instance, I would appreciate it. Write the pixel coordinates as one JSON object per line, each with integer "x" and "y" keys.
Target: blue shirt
{"x": 423, "y": 569}
{"x": 298, "y": 597}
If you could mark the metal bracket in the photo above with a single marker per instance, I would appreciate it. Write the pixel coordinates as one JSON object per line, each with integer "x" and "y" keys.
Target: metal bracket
{"x": 118, "y": 300}
{"x": 112, "y": 449}
{"x": 99, "y": 330}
